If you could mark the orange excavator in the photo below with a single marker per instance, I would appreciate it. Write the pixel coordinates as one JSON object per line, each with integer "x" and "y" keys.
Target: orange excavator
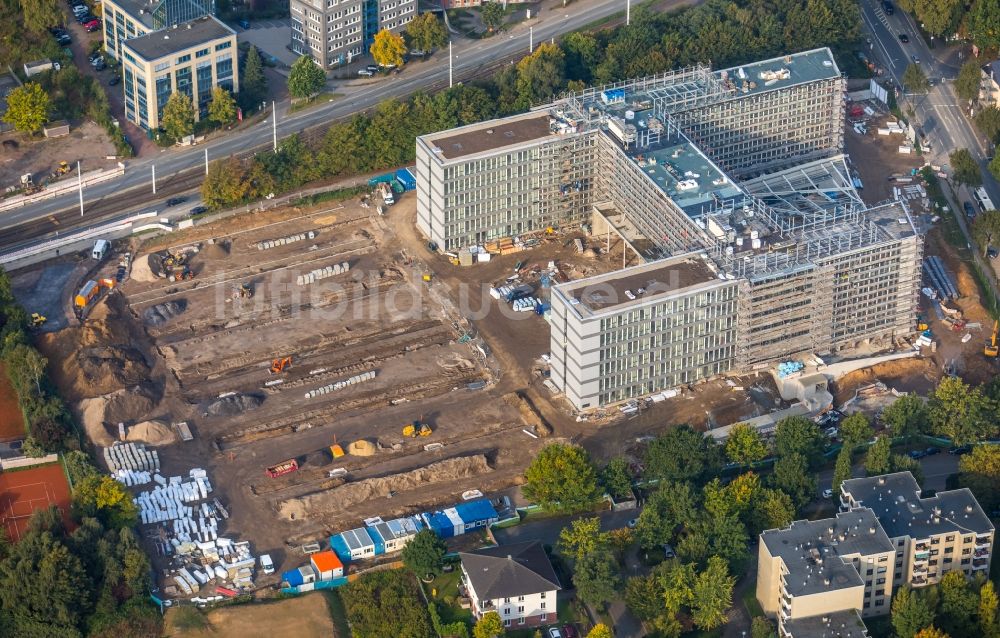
{"x": 280, "y": 365}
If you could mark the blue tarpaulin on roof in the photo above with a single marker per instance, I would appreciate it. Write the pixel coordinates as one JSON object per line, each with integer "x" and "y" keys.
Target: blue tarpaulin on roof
{"x": 477, "y": 513}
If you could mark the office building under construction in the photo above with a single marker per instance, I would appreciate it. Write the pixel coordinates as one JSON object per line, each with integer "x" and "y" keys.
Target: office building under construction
{"x": 732, "y": 190}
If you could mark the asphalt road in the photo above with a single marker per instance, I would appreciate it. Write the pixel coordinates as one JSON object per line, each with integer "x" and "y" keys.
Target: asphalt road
{"x": 471, "y": 58}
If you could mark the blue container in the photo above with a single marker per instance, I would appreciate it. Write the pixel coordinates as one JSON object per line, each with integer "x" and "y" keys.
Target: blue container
{"x": 475, "y": 514}
{"x": 407, "y": 179}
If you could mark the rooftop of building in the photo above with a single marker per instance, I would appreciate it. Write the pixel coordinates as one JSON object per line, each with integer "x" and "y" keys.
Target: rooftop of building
{"x": 645, "y": 283}
{"x": 140, "y": 10}
{"x": 492, "y": 135}
{"x": 781, "y": 72}
{"x": 178, "y": 38}
{"x": 506, "y": 571}
{"x": 687, "y": 175}
{"x": 895, "y": 500}
{"x": 813, "y": 551}
{"x": 838, "y": 624}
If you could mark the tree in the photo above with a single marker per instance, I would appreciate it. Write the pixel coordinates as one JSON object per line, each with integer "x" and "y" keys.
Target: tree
{"x": 761, "y": 627}
{"x": 27, "y": 108}
{"x": 107, "y": 499}
{"x": 930, "y": 632}
{"x": 914, "y": 79}
{"x": 492, "y": 15}
{"x": 644, "y": 596}
{"x": 904, "y": 463}
{"x": 305, "y": 79}
{"x": 980, "y": 472}
{"x": 842, "y": 470}
{"x": 78, "y": 466}
{"x": 855, "y": 430}
{"x": 906, "y": 416}
{"x": 253, "y": 84}
{"x": 489, "y": 626}
{"x": 799, "y": 435}
{"x": 959, "y": 604}
{"x": 596, "y": 579}
{"x": 583, "y": 536}
{"x": 791, "y": 475}
{"x": 960, "y": 412}
{"x": 713, "y": 595}
{"x": 967, "y": 82}
{"x": 225, "y": 184}
{"x": 986, "y": 226}
{"x": 910, "y": 612}
{"x": 771, "y": 509}
{"x": 540, "y": 74}
{"x": 388, "y": 48}
{"x": 681, "y": 454}
{"x": 222, "y": 108}
{"x": 177, "y": 120}
{"x": 938, "y": 17}
{"x": 666, "y": 509}
{"x": 426, "y": 32}
{"x": 43, "y": 583}
{"x": 600, "y": 630}
{"x": 745, "y": 445}
{"x": 964, "y": 169}
{"x": 424, "y": 554}
{"x": 879, "y": 457}
{"x": 39, "y": 15}
{"x": 617, "y": 478}
{"x": 988, "y": 610}
{"x": 988, "y": 122}
{"x": 561, "y": 479}
{"x": 983, "y": 23}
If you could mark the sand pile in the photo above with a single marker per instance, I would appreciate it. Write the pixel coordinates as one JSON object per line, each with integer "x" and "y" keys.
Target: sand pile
{"x": 163, "y": 312}
{"x": 217, "y": 250}
{"x": 361, "y": 447}
{"x": 131, "y": 404}
{"x": 143, "y": 268}
{"x": 152, "y": 433}
{"x": 92, "y": 416}
{"x": 233, "y": 404}
{"x": 349, "y": 494}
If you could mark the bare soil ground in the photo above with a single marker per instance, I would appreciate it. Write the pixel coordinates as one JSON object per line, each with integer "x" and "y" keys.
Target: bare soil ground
{"x": 11, "y": 419}
{"x": 876, "y": 157}
{"x": 299, "y": 616}
{"x": 87, "y": 143}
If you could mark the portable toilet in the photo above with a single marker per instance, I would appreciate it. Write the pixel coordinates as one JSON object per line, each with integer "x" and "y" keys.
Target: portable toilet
{"x": 327, "y": 565}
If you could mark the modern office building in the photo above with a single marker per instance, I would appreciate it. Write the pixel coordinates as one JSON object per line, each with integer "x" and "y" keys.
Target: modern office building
{"x": 819, "y": 578}
{"x": 124, "y": 19}
{"x": 932, "y": 536}
{"x": 191, "y": 58}
{"x": 333, "y": 32}
{"x": 734, "y": 179}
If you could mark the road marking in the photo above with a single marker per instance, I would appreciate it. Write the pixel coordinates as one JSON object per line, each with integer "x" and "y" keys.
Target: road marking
{"x": 874, "y": 31}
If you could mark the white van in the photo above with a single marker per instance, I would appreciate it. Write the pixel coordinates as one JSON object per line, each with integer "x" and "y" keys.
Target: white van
{"x": 266, "y": 564}
{"x": 101, "y": 247}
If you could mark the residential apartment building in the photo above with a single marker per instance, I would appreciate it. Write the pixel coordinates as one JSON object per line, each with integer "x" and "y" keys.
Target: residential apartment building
{"x": 932, "y": 536}
{"x": 819, "y": 578}
{"x": 124, "y": 19}
{"x": 333, "y": 32}
{"x": 516, "y": 581}
{"x": 989, "y": 84}
{"x": 191, "y": 58}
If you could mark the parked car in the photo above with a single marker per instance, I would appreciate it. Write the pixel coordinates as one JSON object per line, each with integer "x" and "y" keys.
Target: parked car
{"x": 632, "y": 523}
{"x": 992, "y": 252}
{"x": 64, "y": 39}
{"x": 917, "y": 454}
{"x": 887, "y": 8}
{"x": 915, "y": 59}
{"x": 969, "y": 210}
{"x": 365, "y": 73}
{"x": 931, "y": 451}
{"x": 668, "y": 551}
{"x": 244, "y": 24}
{"x": 85, "y": 18}
{"x": 904, "y": 38}
{"x": 173, "y": 201}
{"x": 92, "y": 26}
{"x": 827, "y": 493}
{"x": 266, "y": 563}
{"x": 372, "y": 68}
{"x": 114, "y": 80}
{"x": 554, "y": 633}
{"x": 198, "y": 210}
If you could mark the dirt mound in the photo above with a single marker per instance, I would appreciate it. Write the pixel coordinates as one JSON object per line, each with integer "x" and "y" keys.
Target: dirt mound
{"x": 152, "y": 433}
{"x": 107, "y": 368}
{"x": 163, "y": 312}
{"x": 92, "y": 416}
{"x": 131, "y": 404}
{"x": 216, "y": 250}
{"x": 361, "y": 447}
{"x": 350, "y": 494}
{"x": 233, "y": 404}
{"x": 146, "y": 268}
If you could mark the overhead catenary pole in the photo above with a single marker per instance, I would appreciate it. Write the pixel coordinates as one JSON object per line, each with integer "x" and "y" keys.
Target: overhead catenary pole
{"x": 79, "y": 185}
{"x": 206, "y": 161}
{"x": 274, "y": 125}
{"x": 153, "y": 167}
{"x": 628, "y": 12}
{"x": 451, "y": 67}
{"x": 531, "y": 39}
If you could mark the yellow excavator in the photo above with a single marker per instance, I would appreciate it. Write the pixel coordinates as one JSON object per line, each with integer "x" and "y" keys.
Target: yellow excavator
{"x": 991, "y": 350}
{"x": 416, "y": 429}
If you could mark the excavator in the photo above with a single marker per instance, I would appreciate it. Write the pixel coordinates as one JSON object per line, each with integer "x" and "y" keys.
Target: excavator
{"x": 280, "y": 365}
{"x": 37, "y": 321}
{"x": 417, "y": 428}
{"x": 243, "y": 291}
{"x": 991, "y": 350}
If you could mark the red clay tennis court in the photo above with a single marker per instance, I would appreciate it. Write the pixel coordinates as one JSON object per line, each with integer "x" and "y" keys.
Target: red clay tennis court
{"x": 24, "y": 491}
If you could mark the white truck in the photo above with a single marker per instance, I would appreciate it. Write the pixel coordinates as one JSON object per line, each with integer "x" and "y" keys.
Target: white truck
{"x": 266, "y": 563}
{"x": 101, "y": 247}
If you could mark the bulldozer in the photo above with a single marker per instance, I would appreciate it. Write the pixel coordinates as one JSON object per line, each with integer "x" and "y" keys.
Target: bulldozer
{"x": 991, "y": 350}
{"x": 416, "y": 429}
{"x": 62, "y": 169}
{"x": 243, "y": 291}
{"x": 280, "y": 365}
{"x": 37, "y": 321}
{"x": 171, "y": 260}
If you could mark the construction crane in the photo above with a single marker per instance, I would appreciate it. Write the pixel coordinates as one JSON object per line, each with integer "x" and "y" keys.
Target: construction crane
{"x": 280, "y": 365}
{"x": 416, "y": 429}
{"x": 991, "y": 349}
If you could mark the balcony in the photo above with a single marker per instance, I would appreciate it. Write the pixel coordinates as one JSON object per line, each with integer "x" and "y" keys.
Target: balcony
{"x": 984, "y": 541}
{"x": 922, "y": 546}
{"x": 981, "y": 563}
{"x": 921, "y": 557}
{"x": 918, "y": 581}
{"x": 920, "y": 569}
{"x": 982, "y": 553}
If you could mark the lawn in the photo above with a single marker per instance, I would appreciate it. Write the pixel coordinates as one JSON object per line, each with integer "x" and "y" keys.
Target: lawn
{"x": 444, "y": 591}
{"x": 315, "y": 100}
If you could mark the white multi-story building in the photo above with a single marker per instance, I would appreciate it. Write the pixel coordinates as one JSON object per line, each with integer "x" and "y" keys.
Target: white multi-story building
{"x": 333, "y": 32}
{"x": 516, "y": 581}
